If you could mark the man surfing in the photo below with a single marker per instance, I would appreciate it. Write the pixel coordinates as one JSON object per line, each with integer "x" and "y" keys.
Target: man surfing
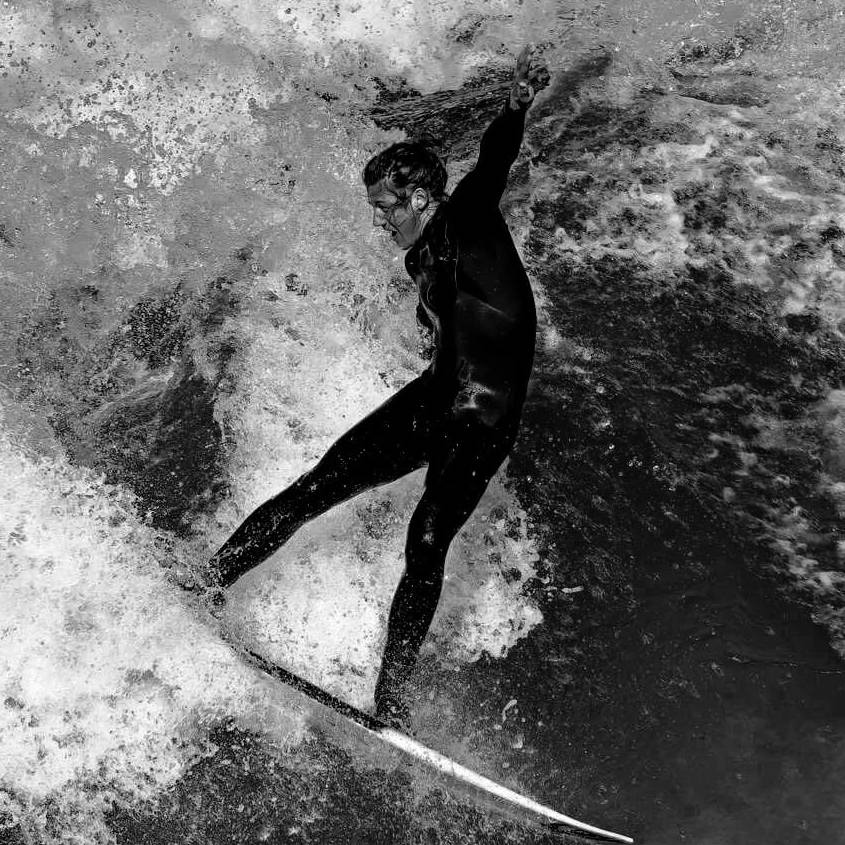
{"x": 460, "y": 417}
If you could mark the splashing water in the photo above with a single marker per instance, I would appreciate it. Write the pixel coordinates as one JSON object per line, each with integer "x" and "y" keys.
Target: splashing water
{"x": 151, "y": 146}
{"x": 195, "y": 306}
{"x": 108, "y": 681}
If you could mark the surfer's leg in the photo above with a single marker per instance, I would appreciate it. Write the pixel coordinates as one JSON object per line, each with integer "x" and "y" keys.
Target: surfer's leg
{"x": 390, "y": 442}
{"x": 456, "y": 480}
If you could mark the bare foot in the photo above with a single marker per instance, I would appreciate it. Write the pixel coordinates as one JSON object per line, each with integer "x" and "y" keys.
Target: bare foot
{"x": 200, "y": 581}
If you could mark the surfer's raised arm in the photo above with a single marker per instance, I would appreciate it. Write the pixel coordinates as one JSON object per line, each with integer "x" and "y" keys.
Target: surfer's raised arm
{"x": 502, "y": 139}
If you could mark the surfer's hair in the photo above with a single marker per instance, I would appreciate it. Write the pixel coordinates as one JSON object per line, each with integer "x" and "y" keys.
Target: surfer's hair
{"x": 408, "y": 163}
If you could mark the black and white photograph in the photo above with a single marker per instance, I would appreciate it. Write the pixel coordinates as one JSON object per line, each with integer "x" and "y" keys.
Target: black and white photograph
{"x": 422, "y": 422}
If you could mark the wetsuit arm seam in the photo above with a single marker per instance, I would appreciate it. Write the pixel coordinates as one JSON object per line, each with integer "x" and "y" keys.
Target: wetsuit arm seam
{"x": 498, "y": 150}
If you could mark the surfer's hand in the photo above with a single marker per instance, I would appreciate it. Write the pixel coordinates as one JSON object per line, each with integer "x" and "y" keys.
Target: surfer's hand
{"x": 528, "y": 78}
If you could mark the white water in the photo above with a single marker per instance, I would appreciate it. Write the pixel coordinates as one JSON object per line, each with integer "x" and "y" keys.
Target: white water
{"x": 144, "y": 143}
{"x": 144, "y": 147}
{"x": 109, "y": 683}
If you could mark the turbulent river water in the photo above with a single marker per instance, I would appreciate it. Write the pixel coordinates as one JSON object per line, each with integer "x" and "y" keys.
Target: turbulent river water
{"x": 643, "y": 621}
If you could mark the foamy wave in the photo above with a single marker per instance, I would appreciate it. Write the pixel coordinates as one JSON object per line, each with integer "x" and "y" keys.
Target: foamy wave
{"x": 108, "y": 682}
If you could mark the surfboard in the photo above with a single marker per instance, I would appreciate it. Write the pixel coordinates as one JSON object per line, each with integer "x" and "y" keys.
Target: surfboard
{"x": 551, "y": 819}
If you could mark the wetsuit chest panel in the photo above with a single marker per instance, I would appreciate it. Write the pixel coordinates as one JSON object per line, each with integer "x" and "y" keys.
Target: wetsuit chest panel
{"x": 475, "y": 292}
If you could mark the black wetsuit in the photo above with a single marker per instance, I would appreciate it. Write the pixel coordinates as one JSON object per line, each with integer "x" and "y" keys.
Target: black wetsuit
{"x": 459, "y": 417}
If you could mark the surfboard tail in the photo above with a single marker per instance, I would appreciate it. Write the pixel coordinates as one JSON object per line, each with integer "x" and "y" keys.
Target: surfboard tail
{"x": 551, "y": 819}
{"x": 604, "y": 836}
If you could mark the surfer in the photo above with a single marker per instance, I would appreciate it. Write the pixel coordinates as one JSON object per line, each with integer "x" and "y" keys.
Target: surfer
{"x": 460, "y": 417}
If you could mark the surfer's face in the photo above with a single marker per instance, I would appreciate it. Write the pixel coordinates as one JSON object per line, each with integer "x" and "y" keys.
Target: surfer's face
{"x": 400, "y": 218}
